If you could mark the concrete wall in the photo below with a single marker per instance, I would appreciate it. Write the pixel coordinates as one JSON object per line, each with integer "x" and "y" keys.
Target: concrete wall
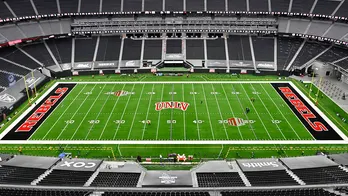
{"x": 322, "y": 68}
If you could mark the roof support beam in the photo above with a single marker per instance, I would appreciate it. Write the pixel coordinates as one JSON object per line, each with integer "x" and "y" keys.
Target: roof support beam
{"x": 252, "y": 52}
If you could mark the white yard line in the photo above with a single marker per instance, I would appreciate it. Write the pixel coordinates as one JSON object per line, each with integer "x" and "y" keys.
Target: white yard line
{"x": 96, "y": 118}
{"x": 95, "y": 100}
{"x": 112, "y": 111}
{"x": 194, "y": 101}
{"x": 66, "y": 109}
{"x": 222, "y": 148}
{"x": 222, "y": 118}
{"x": 147, "y": 113}
{"x": 231, "y": 109}
{"x": 159, "y": 114}
{"x": 119, "y": 150}
{"x": 204, "y": 78}
{"x": 281, "y": 111}
{"x": 136, "y": 110}
{"x": 124, "y": 110}
{"x": 171, "y": 116}
{"x": 206, "y": 104}
{"x": 183, "y": 99}
{"x": 268, "y": 111}
{"x": 241, "y": 106}
{"x": 256, "y": 111}
{"x": 75, "y": 113}
{"x": 142, "y": 78}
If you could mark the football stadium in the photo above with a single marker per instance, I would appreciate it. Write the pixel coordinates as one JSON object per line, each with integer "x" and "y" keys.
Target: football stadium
{"x": 173, "y": 97}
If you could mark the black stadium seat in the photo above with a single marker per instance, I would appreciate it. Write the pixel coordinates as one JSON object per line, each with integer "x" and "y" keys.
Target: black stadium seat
{"x": 228, "y": 179}
{"x": 66, "y": 178}
{"x": 310, "y": 50}
{"x": 216, "y": 49}
{"x": 263, "y": 48}
{"x": 109, "y": 48}
{"x": 270, "y": 178}
{"x": 287, "y": 48}
{"x": 152, "y": 193}
{"x": 61, "y": 49}
{"x": 111, "y": 6}
{"x": 18, "y": 5}
{"x": 46, "y": 6}
{"x": 322, "y": 175}
{"x": 19, "y": 175}
{"x": 239, "y": 48}
{"x": 4, "y": 11}
{"x": 281, "y": 192}
{"x": 41, "y": 192}
{"x": 84, "y": 49}
{"x": 111, "y": 179}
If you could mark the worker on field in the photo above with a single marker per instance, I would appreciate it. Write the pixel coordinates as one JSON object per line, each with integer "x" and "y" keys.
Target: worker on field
{"x": 252, "y": 99}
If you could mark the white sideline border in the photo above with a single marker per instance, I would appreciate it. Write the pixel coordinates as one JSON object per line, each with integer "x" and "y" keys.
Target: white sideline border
{"x": 338, "y": 131}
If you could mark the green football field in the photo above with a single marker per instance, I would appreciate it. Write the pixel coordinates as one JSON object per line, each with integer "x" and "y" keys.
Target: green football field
{"x": 93, "y": 122}
{"x": 202, "y": 111}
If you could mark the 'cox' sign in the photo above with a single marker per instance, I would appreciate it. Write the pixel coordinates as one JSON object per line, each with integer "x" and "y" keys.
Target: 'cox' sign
{"x": 78, "y": 164}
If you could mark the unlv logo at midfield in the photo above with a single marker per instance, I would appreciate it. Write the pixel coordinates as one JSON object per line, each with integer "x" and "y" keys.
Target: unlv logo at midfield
{"x": 172, "y": 105}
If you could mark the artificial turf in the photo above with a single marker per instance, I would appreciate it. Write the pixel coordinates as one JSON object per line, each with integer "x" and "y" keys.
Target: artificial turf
{"x": 175, "y": 131}
{"x": 96, "y": 112}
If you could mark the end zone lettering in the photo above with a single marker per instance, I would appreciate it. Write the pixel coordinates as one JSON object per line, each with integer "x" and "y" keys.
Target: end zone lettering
{"x": 302, "y": 109}
{"x": 42, "y": 110}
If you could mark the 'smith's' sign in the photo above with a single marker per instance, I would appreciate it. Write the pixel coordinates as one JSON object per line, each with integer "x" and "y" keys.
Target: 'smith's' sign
{"x": 42, "y": 110}
{"x": 172, "y": 105}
